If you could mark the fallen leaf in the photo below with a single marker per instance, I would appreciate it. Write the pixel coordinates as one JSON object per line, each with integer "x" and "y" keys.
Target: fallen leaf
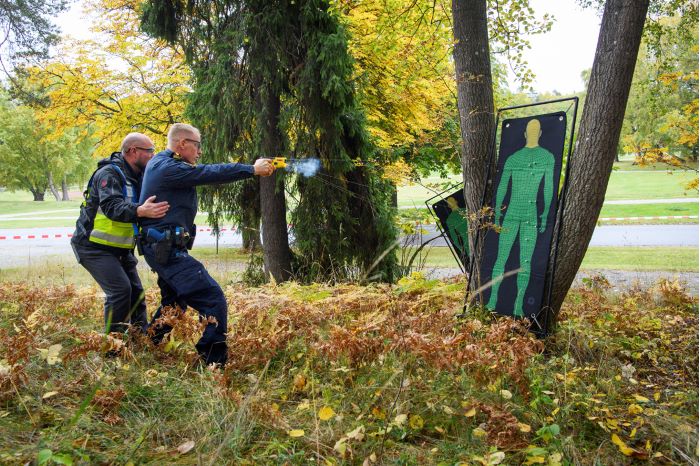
{"x": 51, "y": 353}
{"x": 48, "y": 395}
{"x": 471, "y": 413}
{"x": 415, "y": 422}
{"x": 357, "y": 434}
{"x": 326, "y": 413}
{"x": 378, "y": 413}
{"x": 495, "y": 458}
{"x": 341, "y": 446}
{"x": 299, "y": 382}
{"x": 400, "y": 420}
{"x": 185, "y": 447}
{"x": 627, "y": 451}
{"x": 506, "y": 394}
{"x": 641, "y": 398}
{"x": 524, "y": 427}
{"x": 634, "y": 408}
{"x": 296, "y": 433}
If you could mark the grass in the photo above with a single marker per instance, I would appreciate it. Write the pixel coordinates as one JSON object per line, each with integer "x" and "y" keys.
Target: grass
{"x": 353, "y": 375}
{"x": 649, "y": 210}
{"x": 649, "y": 185}
{"x": 55, "y": 270}
{"x": 640, "y": 184}
{"x": 672, "y": 259}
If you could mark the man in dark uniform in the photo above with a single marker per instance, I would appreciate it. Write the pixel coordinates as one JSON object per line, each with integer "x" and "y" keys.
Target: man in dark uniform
{"x": 103, "y": 241}
{"x": 173, "y": 175}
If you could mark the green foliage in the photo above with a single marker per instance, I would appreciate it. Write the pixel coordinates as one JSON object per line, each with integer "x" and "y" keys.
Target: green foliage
{"x": 295, "y": 53}
{"x": 661, "y": 115}
{"x": 31, "y": 153}
{"x": 26, "y": 27}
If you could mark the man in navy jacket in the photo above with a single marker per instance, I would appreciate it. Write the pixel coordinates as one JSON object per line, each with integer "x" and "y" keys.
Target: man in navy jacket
{"x": 173, "y": 175}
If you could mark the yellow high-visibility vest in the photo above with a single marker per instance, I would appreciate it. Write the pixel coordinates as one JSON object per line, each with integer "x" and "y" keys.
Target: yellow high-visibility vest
{"x": 110, "y": 232}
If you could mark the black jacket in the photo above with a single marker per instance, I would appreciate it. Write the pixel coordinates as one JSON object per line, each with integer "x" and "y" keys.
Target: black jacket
{"x": 107, "y": 192}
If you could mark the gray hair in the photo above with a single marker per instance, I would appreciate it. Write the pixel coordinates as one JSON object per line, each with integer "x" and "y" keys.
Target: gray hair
{"x": 131, "y": 140}
{"x": 180, "y": 131}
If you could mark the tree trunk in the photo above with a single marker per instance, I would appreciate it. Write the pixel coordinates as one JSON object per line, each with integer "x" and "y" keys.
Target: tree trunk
{"x": 474, "y": 94}
{"x": 273, "y": 206}
{"x": 64, "y": 189}
{"x": 52, "y": 187}
{"x": 474, "y": 102}
{"x": 596, "y": 147}
{"x": 38, "y": 194}
{"x": 250, "y": 216}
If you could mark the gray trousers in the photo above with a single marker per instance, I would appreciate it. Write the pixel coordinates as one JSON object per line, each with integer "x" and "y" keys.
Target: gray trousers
{"x": 118, "y": 278}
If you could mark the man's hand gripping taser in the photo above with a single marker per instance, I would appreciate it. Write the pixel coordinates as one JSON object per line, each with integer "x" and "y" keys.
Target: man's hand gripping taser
{"x": 279, "y": 162}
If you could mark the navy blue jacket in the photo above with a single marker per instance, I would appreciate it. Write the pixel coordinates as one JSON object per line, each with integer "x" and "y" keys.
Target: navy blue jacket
{"x": 172, "y": 179}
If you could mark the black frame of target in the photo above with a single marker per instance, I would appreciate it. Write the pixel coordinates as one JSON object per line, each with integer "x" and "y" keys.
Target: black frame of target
{"x": 539, "y": 322}
{"x": 436, "y": 207}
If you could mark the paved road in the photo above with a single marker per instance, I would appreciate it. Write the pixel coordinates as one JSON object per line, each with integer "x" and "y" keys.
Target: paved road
{"x": 628, "y": 235}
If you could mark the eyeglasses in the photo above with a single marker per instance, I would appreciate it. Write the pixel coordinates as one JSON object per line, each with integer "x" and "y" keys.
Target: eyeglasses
{"x": 150, "y": 150}
{"x": 196, "y": 143}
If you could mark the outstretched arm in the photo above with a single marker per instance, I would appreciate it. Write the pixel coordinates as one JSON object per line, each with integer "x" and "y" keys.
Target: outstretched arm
{"x": 186, "y": 175}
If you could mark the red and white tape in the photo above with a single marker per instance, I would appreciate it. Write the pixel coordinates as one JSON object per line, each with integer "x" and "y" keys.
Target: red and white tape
{"x": 57, "y": 235}
{"x": 70, "y": 235}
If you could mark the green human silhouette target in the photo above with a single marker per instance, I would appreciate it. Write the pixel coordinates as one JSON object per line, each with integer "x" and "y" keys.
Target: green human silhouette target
{"x": 516, "y": 250}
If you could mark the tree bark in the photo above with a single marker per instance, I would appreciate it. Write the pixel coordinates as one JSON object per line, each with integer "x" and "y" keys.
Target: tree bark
{"x": 52, "y": 187}
{"x": 64, "y": 189}
{"x": 475, "y": 105}
{"x": 474, "y": 95}
{"x": 37, "y": 194}
{"x": 273, "y": 206}
{"x": 250, "y": 218}
{"x": 596, "y": 147}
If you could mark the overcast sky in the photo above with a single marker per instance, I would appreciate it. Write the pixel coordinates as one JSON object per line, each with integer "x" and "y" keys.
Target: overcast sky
{"x": 557, "y": 58}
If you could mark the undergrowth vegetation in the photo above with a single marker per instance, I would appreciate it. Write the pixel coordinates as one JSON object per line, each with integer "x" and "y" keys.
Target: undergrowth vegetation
{"x": 353, "y": 375}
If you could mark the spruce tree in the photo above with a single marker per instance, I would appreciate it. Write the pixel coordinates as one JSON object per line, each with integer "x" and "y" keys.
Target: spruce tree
{"x": 273, "y": 78}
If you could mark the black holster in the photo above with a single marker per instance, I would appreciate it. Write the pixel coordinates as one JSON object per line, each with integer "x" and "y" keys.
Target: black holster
{"x": 162, "y": 248}
{"x": 139, "y": 244}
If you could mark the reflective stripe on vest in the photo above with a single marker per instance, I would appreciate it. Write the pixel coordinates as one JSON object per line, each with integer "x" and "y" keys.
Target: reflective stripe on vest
{"x": 112, "y": 233}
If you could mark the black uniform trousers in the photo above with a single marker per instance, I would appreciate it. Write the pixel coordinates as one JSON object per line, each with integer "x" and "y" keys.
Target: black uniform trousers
{"x": 184, "y": 281}
{"x": 117, "y": 276}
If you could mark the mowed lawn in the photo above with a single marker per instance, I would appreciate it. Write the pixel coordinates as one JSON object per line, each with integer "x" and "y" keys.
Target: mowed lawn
{"x": 623, "y": 185}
